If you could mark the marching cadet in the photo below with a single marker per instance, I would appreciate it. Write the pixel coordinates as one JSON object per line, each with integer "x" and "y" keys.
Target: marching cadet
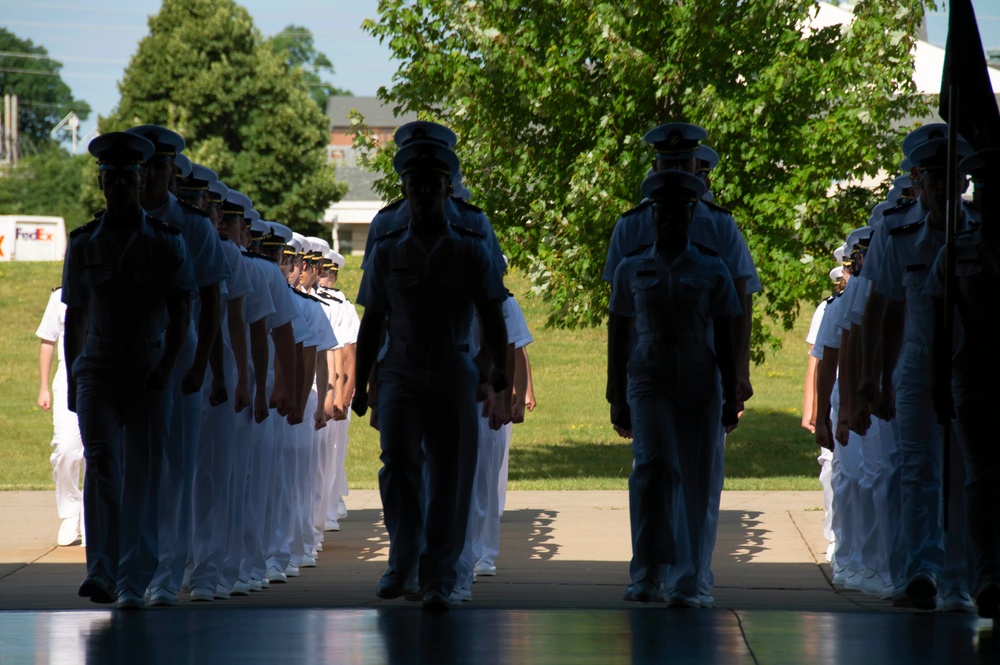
{"x": 932, "y": 565}
{"x": 184, "y": 425}
{"x": 423, "y": 284}
{"x": 839, "y": 276}
{"x": 127, "y": 280}
{"x": 277, "y": 349}
{"x": 192, "y": 188}
{"x": 667, "y": 302}
{"x": 67, "y": 446}
{"x": 224, "y": 397}
{"x": 396, "y": 215}
{"x": 338, "y": 399}
{"x": 973, "y": 368}
{"x": 676, "y": 145}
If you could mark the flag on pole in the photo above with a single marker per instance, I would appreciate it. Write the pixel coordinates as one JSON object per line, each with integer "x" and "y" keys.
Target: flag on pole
{"x": 977, "y": 117}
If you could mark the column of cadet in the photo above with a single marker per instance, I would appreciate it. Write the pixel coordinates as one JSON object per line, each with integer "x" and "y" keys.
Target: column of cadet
{"x": 210, "y": 364}
{"x": 909, "y": 519}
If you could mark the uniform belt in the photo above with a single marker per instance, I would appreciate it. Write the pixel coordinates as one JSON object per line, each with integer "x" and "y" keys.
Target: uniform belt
{"x": 667, "y": 337}
{"x": 125, "y": 345}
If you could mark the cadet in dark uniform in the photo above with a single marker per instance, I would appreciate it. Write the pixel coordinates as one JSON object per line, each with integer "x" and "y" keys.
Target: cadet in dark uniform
{"x": 127, "y": 281}
{"x": 423, "y": 285}
{"x": 668, "y": 303}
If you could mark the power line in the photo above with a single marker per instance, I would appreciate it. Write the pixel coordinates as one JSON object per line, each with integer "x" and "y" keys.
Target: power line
{"x": 55, "y": 58}
{"x": 77, "y": 26}
{"x": 40, "y": 72}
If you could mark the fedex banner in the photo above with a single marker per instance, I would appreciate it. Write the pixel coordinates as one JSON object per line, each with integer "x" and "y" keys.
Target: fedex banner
{"x": 32, "y": 238}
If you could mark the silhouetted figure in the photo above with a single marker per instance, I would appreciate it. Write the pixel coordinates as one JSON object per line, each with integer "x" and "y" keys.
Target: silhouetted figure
{"x": 670, "y": 305}
{"x": 422, "y": 285}
{"x": 127, "y": 281}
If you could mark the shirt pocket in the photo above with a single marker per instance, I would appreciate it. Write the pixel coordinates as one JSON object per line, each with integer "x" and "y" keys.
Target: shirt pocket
{"x": 96, "y": 276}
{"x": 914, "y": 280}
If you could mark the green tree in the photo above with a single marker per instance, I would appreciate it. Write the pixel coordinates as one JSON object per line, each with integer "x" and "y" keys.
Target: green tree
{"x": 296, "y": 47}
{"x": 205, "y": 71}
{"x": 48, "y": 182}
{"x": 550, "y": 99}
{"x": 44, "y": 98}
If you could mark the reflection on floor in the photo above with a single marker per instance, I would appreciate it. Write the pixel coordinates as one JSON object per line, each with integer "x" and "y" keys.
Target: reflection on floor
{"x": 406, "y": 634}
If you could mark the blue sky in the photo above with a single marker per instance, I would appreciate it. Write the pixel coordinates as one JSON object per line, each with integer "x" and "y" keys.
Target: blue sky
{"x": 94, "y": 40}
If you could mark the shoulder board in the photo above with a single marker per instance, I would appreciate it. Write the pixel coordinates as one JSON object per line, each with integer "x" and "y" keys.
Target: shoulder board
{"x": 391, "y": 234}
{"x": 705, "y": 250}
{"x": 86, "y": 228}
{"x": 329, "y": 296}
{"x": 639, "y": 249}
{"x": 465, "y": 205}
{"x": 160, "y": 225}
{"x": 307, "y": 296}
{"x": 899, "y": 208}
{"x": 192, "y": 209}
{"x": 461, "y": 230}
{"x": 832, "y": 298}
{"x": 905, "y": 228}
{"x": 639, "y": 208}
{"x": 974, "y": 228}
{"x": 56, "y": 288}
{"x": 257, "y": 255}
{"x": 392, "y": 206}
{"x": 718, "y": 208}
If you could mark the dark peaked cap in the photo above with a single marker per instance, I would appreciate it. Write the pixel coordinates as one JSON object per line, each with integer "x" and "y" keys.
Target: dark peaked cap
{"x": 424, "y": 130}
{"x": 426, "y": 156}
{"x": 982, "y": 165}
{"x": 120, "y": 149}
{"x": 168, "y": 143}
{"x": 675, "y": 138}
{"x": 672, "y": 185}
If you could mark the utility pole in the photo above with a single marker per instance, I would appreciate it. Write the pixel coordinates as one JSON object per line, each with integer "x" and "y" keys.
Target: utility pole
{"x": 72, "y": 120}
{"x": 8, "y": 145}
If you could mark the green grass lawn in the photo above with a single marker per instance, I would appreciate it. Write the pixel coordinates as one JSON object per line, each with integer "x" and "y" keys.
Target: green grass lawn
{"x": 566, "y": 443}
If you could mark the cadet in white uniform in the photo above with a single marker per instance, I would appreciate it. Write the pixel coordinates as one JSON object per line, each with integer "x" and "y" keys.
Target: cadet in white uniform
{"x": 67, "y": 446}
{"x": 184, "y": 426}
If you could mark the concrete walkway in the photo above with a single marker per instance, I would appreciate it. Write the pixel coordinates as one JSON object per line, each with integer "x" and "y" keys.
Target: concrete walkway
{"x": 567, "y": 550}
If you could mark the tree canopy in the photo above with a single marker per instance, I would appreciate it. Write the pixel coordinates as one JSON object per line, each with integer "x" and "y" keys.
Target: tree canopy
{"x": 26, "y": 70}
{"x": 551, "y": 98}
{"x": 297, "y": 48}
{"x": 206, "y": 72}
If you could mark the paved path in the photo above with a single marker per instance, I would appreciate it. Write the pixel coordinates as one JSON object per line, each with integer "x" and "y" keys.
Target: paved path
{"x": 558, "y": 550}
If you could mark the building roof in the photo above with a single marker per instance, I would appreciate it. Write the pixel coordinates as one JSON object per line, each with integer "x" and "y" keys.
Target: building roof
{"x": 376, "y": 113}
{"x": 359, "y": 183}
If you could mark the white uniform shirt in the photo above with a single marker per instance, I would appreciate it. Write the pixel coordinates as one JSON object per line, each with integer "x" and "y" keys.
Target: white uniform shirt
{"x": 814, "y": 324}
{"x": 829, "y": 333}
{"x": 51, "y": 330}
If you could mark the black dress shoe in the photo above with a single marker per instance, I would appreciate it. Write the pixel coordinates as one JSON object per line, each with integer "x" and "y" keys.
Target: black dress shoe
{"x": 392, "y": 585}
{"x": 98, "y": 589}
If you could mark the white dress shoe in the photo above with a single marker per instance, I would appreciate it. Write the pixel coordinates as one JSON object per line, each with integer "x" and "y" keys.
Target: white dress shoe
{"x": 341, "y": 508}
{"x": 202, "y": 595}
{"x": 307, "y": 562}
{"x": 292, "y": 570}
{"x": 332, "y": 525}
{"x": 69, "y": 531}
{"x": 241, "y": 589}
{"x": 275, "y": 575}
{"x": 484, "y": 569}
{"x": 221, "y": 591}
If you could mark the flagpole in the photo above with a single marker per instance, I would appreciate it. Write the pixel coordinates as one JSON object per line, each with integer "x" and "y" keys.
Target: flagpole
{"x": 951, "y": 226}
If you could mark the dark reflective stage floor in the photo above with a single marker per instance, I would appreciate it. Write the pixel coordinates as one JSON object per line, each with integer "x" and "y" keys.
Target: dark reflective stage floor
{"x": 406, "y": 634}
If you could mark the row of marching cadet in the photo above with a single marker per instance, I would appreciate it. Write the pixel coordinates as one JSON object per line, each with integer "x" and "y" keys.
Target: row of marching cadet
{"x": 891, "y": 378}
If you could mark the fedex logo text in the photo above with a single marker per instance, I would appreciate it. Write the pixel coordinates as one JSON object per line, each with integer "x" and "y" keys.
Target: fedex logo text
{"x": 35, "y": 235}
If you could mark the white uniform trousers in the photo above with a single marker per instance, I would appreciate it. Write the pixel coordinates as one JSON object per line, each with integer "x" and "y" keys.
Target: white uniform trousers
{"x": 928, "y": 548}
{"x": 280, "y": 495}
{"x": 483, "y": 503}
{"x": 177, "y": 473}
{"x": 871, "y": 553}
{"x": 825, "y": 460}
{"x": 711, "y": 493}
{"x": 300, "y": 530}
{"x": 323, "y": 496}
{"x": 340, "y": 488}
{"x": 887, "y": 505}
{"x": 257, "y": 525}
{"x": 211, "y": 496}
{"x": 67, "y": 456}
{"x": 237, "y": 565}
